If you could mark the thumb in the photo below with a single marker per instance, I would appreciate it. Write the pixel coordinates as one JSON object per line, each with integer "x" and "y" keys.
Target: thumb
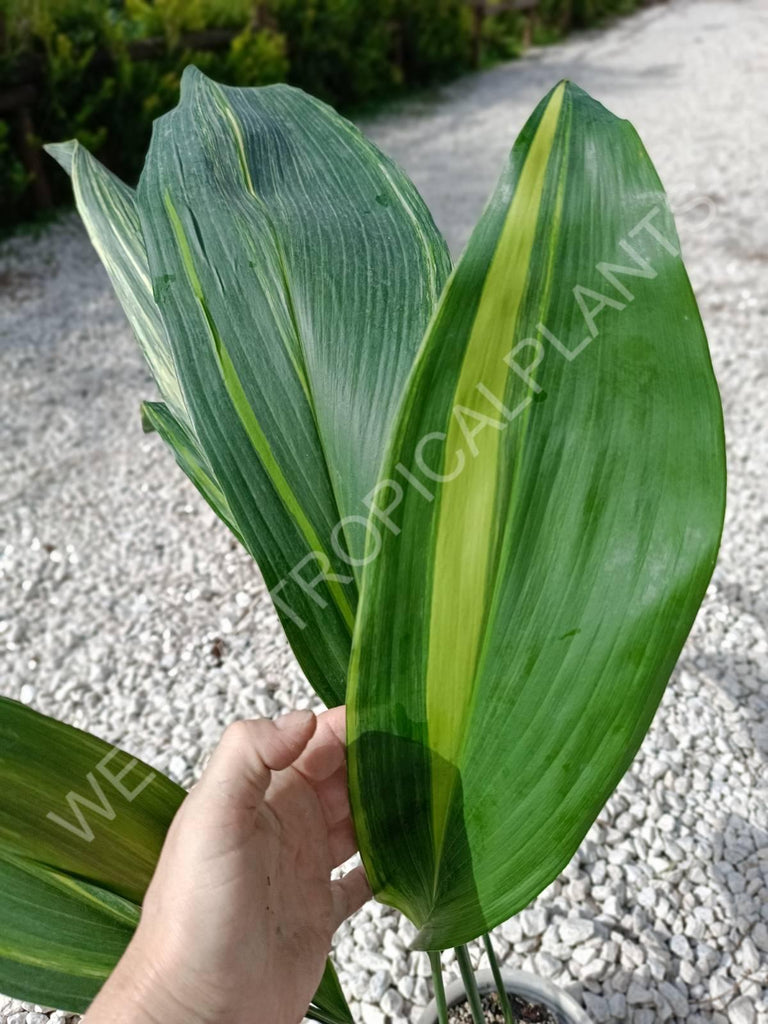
{"x": 241, "y": 766}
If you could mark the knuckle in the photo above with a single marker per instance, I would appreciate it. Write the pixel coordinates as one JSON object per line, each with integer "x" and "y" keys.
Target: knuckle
{"x": 236, "y": 737}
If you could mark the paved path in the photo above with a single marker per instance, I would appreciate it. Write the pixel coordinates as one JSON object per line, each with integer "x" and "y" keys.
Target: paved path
{"x": 126, "y": 609}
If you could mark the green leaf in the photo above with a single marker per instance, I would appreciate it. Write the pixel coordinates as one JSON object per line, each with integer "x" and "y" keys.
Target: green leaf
{"x": 515, "y": 636}
{"x": 74, "y": 803}
{"x": 61, "y": 937}
{"x": 157, "y": 416}
{"x": 108, "y": 209}
{"x": 329, "y": 1005}
{"x": 81, "y": 827}
{"x": 295, "y": 268}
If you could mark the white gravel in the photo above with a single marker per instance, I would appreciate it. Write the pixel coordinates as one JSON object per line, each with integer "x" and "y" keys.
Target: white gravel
{"x": 125, "y": 608}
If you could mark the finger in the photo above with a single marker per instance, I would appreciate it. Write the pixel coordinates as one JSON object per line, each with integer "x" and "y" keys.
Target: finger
{"x": 349, "y": 894}
{"x": 342, "y": 843}
{"x": 326, "y": 752}
{"x": 240, "y": 769}
{"x": 334, "y": 798}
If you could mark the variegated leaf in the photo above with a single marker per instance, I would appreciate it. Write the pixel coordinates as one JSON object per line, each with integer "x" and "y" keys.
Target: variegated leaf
{"x": 294, "y": 268}
{"x": 517, "y": 629}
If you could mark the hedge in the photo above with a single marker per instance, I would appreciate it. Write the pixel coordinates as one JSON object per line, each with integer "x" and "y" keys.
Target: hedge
{"x": 102, "y": 70}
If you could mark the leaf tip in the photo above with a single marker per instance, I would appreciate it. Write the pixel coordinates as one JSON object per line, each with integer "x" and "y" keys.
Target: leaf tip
{"x": 63, "y": 153}
{"x": 147, "y": 419}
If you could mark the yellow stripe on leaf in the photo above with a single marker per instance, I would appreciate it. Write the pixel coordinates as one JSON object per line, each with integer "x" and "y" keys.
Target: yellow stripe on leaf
{"x": 466, "y": 516}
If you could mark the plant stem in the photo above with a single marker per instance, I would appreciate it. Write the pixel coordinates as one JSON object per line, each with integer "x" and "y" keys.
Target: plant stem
{"x": 437, "y": 981}
{"x": 470, "y": 984}
{"x": 501, "y": 991}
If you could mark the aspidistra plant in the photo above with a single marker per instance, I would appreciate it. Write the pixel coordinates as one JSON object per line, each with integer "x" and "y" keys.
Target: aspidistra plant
{"x": 517, "y": 472}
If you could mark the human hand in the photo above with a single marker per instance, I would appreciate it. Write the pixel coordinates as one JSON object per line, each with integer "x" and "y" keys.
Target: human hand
{"x": 238, "y": 919}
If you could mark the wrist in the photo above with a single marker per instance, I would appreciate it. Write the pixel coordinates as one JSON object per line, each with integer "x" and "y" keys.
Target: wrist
{"x": 139, "y": 991}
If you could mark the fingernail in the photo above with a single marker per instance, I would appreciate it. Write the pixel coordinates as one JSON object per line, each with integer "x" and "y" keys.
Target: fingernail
{"x": 292, "y": 719}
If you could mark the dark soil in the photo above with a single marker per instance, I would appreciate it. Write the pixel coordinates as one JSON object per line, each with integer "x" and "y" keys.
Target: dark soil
{"x": 525, "y": 1012}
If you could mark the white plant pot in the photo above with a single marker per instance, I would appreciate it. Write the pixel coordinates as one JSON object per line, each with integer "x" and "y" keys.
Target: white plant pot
{"x": 518, "y": 983}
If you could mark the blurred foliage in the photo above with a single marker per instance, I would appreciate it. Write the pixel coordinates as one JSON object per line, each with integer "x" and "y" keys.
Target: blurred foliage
{"x": 102, "y": 70}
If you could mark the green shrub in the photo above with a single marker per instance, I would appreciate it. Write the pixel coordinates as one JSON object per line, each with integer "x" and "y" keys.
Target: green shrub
{"x": 257, "y": 58}
{"x": 13, "y": 178}
{"x": 81, "y": 55}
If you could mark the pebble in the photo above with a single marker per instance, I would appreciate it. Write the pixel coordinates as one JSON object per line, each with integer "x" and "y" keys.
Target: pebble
{"x": 618, "y": 1005}
{"x": 421, "y": 992}
{"x": 597, "y": 1007}
{"x": 574, "y": 931}
{"x": 638, "y": 994}
{"x": 391, "y": 1002}
{"x": 674, "y": 997}
{"x": 533, "y": 921}
{"x": 760, "y": 936}
{"x": 372, "y": 1014}
{"x": 681, "y": 947}
{"x": 748, "y": 955}
{"x": 742, "y": 1011}
{"x": 405, "y": 986}
{"x": 377, "y": 986}
{"x": 371, "y": 961}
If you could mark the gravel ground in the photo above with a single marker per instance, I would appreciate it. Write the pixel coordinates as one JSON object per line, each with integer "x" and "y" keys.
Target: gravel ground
{"x": 126, "y": 609}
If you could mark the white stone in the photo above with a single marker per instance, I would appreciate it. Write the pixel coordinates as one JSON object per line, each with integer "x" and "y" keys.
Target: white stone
{"x": 749, "y": 956}
{"x": 618, "y": 1005}
{"x": 533, "y": 921}
{"x": 393, "y": 945}
{"x": 546, "y": 965}
{"x": 760, "y": 936}
{"x": 675, "y": 998}
{"x": 574, "y": 930}
{"x": 647, "y": 897}
{"x": 371, "y": 961}
{"x": 644, "y": 1016}
{"x": 719, "y": 986}
{"x": 421, "y": 992}
{"x": 372, "y": 1014}
{"x": 742, "y": 1011}
{"x": 358, "y": 983}
{"x": 597, "y": 1007}
{"x": 377, "y": 986}
{"x": 688, "y": 973}
{"x": 638, "y": 994}
{"x": 582, "y": 955}
{"x": 178, "y": 767}
{"x": 391, "y": 1002}
{"x": 681, "y": 947}
{"x": 594, "y": 969}
{"x": 512, "y": 930}
{"x": 406, "y": 985}
{"x": 399, "y": 968}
